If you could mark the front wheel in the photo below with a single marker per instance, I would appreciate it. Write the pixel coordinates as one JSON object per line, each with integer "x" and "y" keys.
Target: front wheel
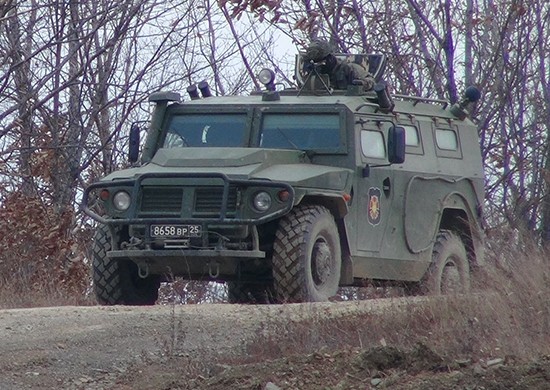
{"x": 306, "y": 256}
{"x": 116, "y": 282}
{"x": 449, "y": 272}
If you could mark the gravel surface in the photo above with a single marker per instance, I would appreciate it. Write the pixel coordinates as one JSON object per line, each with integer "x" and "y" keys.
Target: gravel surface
{"x": 222, "y": 346}
{"x": 90, "y": 347}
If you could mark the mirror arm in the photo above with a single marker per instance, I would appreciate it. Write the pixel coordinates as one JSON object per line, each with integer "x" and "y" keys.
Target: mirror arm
{"x": 366, "y": 169}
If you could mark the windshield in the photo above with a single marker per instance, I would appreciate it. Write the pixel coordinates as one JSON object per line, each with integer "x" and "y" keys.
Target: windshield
{"x": 301, "y": 131}
{"x": 207, "y": 130}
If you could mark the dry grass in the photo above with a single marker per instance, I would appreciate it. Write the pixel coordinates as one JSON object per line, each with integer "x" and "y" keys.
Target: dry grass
{"x": 507, "y": 316}
{"x": 19, "y": 293}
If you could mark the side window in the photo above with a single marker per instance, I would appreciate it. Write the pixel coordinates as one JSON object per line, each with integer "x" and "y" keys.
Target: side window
{"x": 447, "y": 143}
{"x": 413, "y": 141}
{"x": 411, "y": 136}
{"x": 372, "y": 144}
{"x": 446, "y": 139}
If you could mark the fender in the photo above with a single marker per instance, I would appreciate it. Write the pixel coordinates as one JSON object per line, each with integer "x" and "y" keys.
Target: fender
{"x": 423, "y": 215}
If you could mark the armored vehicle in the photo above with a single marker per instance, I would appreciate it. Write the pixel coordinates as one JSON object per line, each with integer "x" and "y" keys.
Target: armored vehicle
{"x": 288, "y": 194}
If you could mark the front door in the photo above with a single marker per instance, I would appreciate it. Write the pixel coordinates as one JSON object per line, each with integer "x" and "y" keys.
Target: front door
{"x": 374, "y": 188}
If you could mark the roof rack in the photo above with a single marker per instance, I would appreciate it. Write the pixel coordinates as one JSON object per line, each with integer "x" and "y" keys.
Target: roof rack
{"x": 418, "y": 99}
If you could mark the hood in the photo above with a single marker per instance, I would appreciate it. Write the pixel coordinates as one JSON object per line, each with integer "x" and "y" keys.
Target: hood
{"x": 289, "y": 166}
{"x": 225, "y": 157}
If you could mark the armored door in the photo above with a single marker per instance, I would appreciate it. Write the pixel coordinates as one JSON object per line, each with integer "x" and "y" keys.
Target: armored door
{"x": 374, "y": 187}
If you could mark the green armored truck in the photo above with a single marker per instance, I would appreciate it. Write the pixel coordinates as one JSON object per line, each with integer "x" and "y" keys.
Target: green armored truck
{"x": 288, "y": 194}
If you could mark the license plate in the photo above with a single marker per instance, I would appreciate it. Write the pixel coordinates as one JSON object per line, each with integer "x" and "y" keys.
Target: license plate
{"x": 175, "y": 231}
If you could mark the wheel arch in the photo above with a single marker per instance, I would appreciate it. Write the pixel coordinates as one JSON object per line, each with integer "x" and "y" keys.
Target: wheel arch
{"x": 334, "y": 203}
{"x": 462, "y": 222}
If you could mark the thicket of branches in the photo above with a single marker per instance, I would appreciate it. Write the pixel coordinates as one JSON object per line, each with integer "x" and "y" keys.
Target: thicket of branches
{"x": 75, "y": 74}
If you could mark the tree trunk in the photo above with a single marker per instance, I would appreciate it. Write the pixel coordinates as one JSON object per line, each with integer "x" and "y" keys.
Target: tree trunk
{"x": 20, "y": 53}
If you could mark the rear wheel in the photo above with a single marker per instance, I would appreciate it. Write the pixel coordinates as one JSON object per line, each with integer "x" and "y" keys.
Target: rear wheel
{"x": 449, "y": 272}
{"x": 116, "y": 282}
{"x": 306, "y": 256}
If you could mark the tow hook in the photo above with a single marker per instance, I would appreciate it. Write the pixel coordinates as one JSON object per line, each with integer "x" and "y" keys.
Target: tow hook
{"x": 143, "y": 270}
{"x": 214, "y": 274}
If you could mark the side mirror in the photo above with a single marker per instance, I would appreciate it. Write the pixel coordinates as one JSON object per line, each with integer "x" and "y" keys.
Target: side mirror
{"x": 396, "y": 145}
{"x": 133, "y": 146}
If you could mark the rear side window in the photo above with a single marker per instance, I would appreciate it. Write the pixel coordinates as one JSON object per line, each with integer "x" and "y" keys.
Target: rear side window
{"x": 447, "y": 143}
{"x": 446, "y": 139}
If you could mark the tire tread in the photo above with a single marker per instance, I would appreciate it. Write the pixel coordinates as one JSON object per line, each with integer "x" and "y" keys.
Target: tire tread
{"x": 287, "y": 247}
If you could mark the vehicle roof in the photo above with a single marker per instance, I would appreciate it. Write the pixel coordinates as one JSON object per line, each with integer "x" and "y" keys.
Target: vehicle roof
{"x": 364, "y": 104}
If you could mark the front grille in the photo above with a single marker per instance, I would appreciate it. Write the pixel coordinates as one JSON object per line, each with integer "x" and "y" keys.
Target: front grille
{"x": 161, "y": 199}
{"x": 208, "y": 201}
{"x": 164, "y": 200}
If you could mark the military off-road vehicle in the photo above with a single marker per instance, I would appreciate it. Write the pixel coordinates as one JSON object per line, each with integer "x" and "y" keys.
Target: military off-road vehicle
{"x": 288, "y": 194}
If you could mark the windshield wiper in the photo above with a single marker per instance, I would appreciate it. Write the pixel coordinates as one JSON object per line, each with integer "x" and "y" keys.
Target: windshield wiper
{"x": 288, "y": 139}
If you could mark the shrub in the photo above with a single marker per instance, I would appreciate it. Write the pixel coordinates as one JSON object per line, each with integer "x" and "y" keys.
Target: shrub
{"x": 42, "y": 254}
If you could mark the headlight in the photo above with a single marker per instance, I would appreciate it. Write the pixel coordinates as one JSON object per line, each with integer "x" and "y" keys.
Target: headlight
{"x": 262, "y": 201}
{"x": 121, "y": 201}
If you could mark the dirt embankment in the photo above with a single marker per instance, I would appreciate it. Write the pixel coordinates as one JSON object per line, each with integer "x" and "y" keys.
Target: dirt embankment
{"x": 77, "y": 347}
{"x": 206, "y": 346}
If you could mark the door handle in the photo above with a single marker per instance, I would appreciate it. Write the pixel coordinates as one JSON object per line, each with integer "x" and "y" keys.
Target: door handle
{"x": 386, "y": 186}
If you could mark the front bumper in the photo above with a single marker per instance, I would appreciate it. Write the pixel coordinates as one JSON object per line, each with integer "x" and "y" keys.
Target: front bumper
{"x": 134, "y": 216}
{"x": 192, "y": 264}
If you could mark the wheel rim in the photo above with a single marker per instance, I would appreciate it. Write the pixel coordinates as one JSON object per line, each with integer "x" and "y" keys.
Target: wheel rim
{"x": 450, "y": 278}
{"x": 321, "y": 259}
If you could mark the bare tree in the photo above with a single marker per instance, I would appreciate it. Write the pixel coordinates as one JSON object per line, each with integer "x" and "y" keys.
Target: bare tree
{"x": 435, "y": 50}
{"x": 74, "y": 76}
{"x": 68, "y": 66}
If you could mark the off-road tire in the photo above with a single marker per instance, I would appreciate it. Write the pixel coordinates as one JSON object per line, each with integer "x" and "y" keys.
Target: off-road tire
{"x": 306, "y": 256}
{"x": 449, "y": 272}
{"x": 116, "y": 282}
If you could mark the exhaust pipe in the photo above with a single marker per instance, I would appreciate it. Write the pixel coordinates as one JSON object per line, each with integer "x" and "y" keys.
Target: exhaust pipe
{"x": 205, "y": 89}
{"x": 193, "y": 92}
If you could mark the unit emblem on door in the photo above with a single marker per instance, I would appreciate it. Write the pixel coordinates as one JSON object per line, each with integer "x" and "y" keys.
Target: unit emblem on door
{"x": 373, "y": 210}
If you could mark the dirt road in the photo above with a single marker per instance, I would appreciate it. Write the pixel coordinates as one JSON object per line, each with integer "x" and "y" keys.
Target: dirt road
{"x": 91, "y": 347}
{"x": 206, "y": 346}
